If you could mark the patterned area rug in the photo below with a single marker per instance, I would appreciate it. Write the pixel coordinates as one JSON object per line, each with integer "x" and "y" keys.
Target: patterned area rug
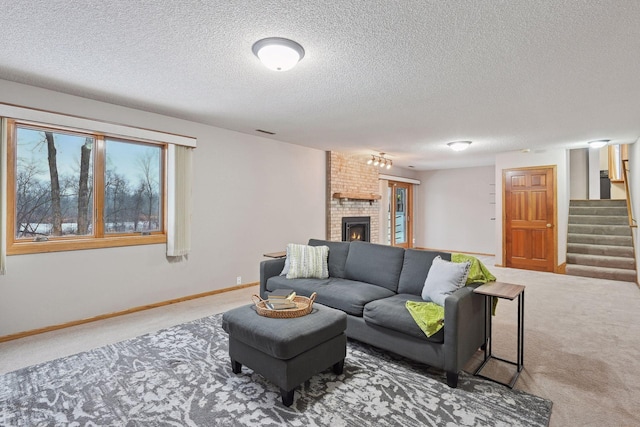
{"x": 181, "y": 376}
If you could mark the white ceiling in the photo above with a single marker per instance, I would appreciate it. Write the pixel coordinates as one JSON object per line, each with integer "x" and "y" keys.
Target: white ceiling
{"x": 403, "y": 77}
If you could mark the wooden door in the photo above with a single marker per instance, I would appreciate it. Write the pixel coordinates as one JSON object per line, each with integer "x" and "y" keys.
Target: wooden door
{"x": 400, "y": 214}
{"x": 529, "y": 218}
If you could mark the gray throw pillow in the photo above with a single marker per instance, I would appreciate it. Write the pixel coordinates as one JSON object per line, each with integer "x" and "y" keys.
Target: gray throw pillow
{"x": 443, "y": 279}
{"x": 287, "y": 264}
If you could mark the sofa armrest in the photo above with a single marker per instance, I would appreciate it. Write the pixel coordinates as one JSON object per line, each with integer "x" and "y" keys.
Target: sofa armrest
{"x": 464, "y": 320}
{"x": 269, "y": 268}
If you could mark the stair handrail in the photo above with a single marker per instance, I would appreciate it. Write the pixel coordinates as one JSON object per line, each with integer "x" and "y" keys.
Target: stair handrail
{"x": 625, "y": 170}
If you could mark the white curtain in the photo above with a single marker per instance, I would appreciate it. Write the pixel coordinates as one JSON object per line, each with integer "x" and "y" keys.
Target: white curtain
{"x": 179, "y": 180}
{"x": 3, "y": 196}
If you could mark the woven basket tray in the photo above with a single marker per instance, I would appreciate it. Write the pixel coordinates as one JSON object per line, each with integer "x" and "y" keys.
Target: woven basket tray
{"x": 304, "y": 304}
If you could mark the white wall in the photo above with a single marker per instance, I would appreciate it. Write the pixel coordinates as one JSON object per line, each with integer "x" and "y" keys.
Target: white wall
{"x": 558, "y": 158}
{"x": 603, "y": 158}
{"x": 634, "y": 194}
{"x": 595, "y": 165}
{"x": 455, "y": 210}
{"x": 251, "y": 195}
{"x": 383, "y": 215}
{"x": 579, "y": 172}
{"x": 618, "y": 191}
{"x": 401, "y": 172}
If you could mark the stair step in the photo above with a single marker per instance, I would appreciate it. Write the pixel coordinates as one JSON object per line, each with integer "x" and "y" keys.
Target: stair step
{"x": 601, "y": 272}
{"x": 601, "y": 261}
{"x": 599, "y": 219}
{"x": 617, "y": 251}
{"x": 599, "y": 240}
{"x": 600, "y": 202}
{"x": 608, "y": 230}
{"x": 593, "y": 239}
{"x": 602, "y": 211}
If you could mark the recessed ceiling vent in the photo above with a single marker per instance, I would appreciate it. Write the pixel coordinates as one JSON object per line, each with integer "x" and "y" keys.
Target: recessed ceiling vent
{"x": 265, "y": 131}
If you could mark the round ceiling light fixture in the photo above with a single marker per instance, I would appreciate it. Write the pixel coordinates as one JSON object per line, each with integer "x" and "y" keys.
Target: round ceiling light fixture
{"x": 277, "y": 53}
{"x": 459, "y": 145}
{"x": 599, "y": 143}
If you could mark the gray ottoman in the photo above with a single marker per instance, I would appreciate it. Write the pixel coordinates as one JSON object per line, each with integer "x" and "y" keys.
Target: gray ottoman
{"x": 286, "y": 352}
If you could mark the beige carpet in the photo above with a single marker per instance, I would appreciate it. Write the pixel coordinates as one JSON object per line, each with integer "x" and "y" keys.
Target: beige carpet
{"x": 582, "y": 342}
{"x": 582, "y": 346}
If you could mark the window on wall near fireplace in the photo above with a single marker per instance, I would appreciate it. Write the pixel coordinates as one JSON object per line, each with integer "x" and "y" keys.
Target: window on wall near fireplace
{"x": 356, "y": 228}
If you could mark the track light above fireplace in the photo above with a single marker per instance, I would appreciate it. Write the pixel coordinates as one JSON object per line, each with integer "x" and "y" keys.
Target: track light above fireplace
{"x": 380, "y": 160}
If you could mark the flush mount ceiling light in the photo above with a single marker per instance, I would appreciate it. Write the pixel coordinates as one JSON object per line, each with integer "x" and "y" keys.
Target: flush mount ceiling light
{"x": 459, "y": 145}
{"x": 278, "y": 54}
{"x": 599, "y": 143}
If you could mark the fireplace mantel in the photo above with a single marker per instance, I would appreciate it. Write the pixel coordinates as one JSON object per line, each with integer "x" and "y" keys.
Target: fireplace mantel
{"x": 370, "y": 197}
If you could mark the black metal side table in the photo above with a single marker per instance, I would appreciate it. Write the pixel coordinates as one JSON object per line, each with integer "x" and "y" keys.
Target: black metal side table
{"x": 505, "y": 291}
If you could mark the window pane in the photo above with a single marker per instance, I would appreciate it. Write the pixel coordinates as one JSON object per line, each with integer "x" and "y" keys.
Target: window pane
{"x": 54, "y": 184}
{"x": 133, "y": 196}
{"x": 401, "y": 216}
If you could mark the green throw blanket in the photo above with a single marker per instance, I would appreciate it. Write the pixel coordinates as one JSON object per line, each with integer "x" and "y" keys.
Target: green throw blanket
{"x": 429, "y": 316}
{"x": 478, "y": 273}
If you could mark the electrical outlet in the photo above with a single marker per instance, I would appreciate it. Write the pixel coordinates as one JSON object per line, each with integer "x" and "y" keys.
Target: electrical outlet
{"x": 239, "y": 280}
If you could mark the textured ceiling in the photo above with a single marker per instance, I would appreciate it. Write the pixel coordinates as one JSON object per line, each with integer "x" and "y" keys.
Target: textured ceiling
{"x": 403, "y": 77}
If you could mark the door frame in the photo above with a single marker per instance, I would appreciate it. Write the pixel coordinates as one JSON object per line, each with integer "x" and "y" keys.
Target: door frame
{"x": 554, "y": 175}
{"x": 409, "y": 207}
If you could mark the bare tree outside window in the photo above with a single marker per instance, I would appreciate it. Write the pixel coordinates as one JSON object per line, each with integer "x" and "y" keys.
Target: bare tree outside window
{"x": 148, "y": 163}
{"x": 55, "y": 183}
{"x": 84, "y": 189}
{"x": 56, "y": 211}
{"x": 74, "y": 189}
{"x": 132, "y": 187}
{"x": 52, "y": 194}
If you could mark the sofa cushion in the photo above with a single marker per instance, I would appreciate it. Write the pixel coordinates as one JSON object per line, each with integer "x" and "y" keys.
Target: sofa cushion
{"x": 347, "y": 295}
{"x": 307, "y": 261}
{"x": 304, "y": 287}
{"x": 350, "y": 296}
{"x": 337, "y": 255}
{"x": 372, "y": 263}
{"x": 444, "y": 278}
{"x": 415, "y": 268}
{"x": 391, "y": 313}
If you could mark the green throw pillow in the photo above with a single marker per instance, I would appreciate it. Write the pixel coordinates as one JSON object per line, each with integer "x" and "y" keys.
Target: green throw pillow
{"x": 307, "y": 261}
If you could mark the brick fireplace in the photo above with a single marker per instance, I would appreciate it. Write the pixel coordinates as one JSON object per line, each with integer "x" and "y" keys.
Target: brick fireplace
{"x": 349, "y": 175}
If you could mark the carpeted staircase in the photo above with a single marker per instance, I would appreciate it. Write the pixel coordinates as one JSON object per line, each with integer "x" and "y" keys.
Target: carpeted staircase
{"x": 599, "y": 243}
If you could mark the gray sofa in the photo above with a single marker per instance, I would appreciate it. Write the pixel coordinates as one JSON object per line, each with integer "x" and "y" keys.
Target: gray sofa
{"x": 371, "y": 284}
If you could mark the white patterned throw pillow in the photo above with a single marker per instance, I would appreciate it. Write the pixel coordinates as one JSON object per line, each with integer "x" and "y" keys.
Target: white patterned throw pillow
{"x": 307, "y": 261}
{"x": 443, "y": 279}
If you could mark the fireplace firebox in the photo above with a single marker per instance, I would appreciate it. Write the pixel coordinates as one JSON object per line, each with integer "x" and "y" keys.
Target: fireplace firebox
{"x": 356, "y": 228}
